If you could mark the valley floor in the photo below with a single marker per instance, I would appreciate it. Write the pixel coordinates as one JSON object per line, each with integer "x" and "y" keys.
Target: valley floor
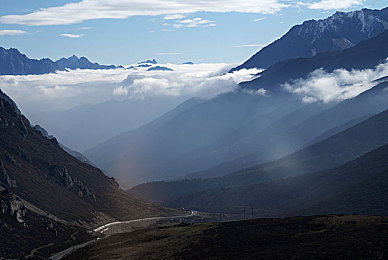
{"x": 318, "y": 237}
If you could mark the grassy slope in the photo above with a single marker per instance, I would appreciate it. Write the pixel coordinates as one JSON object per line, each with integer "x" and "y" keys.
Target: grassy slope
{"x": 333, "y": 237}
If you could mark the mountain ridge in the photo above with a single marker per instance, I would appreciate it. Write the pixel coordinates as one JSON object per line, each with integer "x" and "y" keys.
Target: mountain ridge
{"x": 13, "y": 62}
{"x": 338, "y": 32}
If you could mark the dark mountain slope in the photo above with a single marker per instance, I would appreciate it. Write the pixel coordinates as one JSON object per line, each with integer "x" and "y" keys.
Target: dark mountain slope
{"x": 367, "y": 54}
{"x": 12, "y": 62}
{"x": 332, "y": 152}
{"x": 25, "y": 233}
{"x": 367, "y": 197}
{"x": 47, "y": 177}
{"x": 338, "y": 32}
{"x": 359, "y": 179}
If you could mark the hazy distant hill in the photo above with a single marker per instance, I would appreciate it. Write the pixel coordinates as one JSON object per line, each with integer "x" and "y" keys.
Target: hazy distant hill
{"x": 284, "y": 136}
{"x": 150, "y": 152}
{"x": 108, "y": 119}
{"x": 357, "y": 187}
{"x": 329, "y": 153}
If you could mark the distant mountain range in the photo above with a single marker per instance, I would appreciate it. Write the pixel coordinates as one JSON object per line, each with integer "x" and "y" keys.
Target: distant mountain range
{"x": 160, "y": 68}
{"x": 12, "y": 62}
{"x": 151, "y": 65}
{"x": 153, "y": 61}
{"x": 338, "y": 32}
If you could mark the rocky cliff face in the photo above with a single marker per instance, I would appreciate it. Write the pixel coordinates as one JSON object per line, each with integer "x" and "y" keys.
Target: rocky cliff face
{"x": 11, "y": 205}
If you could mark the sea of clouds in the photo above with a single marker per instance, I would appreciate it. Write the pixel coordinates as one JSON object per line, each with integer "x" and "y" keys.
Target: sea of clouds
{"x": 66, "y": 89}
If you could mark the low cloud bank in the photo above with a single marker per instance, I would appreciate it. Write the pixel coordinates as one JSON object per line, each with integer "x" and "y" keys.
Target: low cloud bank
{"x": 205, "y": 81}
{"x": 337, "y": 86}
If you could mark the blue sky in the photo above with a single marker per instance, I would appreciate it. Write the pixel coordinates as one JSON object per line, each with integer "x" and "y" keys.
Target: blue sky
{"x": 128, "y": 31}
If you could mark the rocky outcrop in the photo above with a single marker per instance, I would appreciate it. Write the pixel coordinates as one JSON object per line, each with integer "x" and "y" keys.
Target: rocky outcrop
{"x": 12, "y": 160}
{"x": 63, "y": 178}
{"x": 11, "y": 205}
{"x": 43, "y": 131}
{"x": 50, "y": 227}
{"x": 5, "y": 180}
{"x": 22, "y": 154}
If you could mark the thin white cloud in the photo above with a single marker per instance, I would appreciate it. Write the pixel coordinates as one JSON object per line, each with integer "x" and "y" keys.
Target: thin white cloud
{"x": 333, "y": 4}
{"x": 174, "y": 17}
{"x": 250, "y": 45}
{"x": 11, "y": 32}
{"x": 84, "y": 10}
{"x": 259, "y": 19}
{"x": 336, "y": 86}
{"x": 70, "y": 35}
{"x": 192, "y": 23}
{"x": 260, "y": 92}
{"x": 85, "y": 28}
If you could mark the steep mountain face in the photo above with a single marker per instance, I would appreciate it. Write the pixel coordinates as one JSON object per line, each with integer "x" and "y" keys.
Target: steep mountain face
{"x": 367, "y": 54}
{"x": 47, "y": 197}
{"x": 12, "y": 62}
{"x": 329, "y": 153}
{"x": 35, "y": 168}
{"x": 338, "y": 32}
